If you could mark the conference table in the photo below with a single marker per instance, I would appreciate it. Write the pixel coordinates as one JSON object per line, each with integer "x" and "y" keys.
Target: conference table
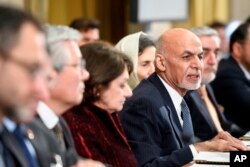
{"x": 216, "y": 159}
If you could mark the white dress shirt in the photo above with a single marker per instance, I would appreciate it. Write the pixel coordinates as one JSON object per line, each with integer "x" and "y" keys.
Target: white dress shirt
{"x": 49, "y": 118}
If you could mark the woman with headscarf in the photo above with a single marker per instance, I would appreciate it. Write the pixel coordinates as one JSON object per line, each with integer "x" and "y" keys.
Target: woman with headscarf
{"x": 141, "y": 49}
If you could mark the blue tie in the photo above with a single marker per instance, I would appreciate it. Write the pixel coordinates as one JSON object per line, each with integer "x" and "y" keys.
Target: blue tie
{"x": 187, "y": 130}
{"x": 18, "y": 133}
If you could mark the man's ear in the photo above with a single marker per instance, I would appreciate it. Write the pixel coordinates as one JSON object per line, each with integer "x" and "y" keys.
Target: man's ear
{"x": 160, "y": 62}
{"x": 237, "y": 50}
{"x": 52, "y": 77}
{"x": 1, "y": 61}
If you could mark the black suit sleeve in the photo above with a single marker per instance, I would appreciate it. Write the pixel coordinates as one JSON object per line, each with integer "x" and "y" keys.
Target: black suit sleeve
{"x": 233, "y": 94}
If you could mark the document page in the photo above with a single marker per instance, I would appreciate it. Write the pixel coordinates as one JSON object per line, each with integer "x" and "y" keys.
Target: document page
{"x": 212, "y": 158}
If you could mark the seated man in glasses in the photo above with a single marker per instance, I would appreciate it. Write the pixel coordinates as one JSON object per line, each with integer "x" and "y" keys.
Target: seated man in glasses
{"x": 24, "y": 64}
{"x": 67, "y": 89}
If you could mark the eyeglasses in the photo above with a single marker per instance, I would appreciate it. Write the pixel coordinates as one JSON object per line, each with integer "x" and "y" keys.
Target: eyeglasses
{"x": 34, "y": 70}
{"x": 81, "y": 65}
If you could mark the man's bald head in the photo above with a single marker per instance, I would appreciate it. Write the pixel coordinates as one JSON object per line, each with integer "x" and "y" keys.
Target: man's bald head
{"x": 179, "y": 59}
{"x": 175, "y": 37}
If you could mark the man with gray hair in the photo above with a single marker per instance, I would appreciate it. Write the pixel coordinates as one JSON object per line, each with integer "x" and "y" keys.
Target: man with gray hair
{"x": 206, "y": 115}
{"x": 66, "y": 90}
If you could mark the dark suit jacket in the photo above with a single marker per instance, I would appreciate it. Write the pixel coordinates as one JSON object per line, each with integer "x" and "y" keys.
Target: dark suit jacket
{"x": 70, "y": 156}
{"x": 46, "y": 147}
{"x": 152, "y": 126}
{"x": 203, "y": 124}
{"x": 232, "y": 90}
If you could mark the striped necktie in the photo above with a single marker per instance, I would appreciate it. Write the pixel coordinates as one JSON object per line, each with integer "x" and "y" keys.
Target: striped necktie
{"x": 187, "y": 130}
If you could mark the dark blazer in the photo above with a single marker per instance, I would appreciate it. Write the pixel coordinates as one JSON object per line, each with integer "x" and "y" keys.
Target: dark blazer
{"x": 232, "y": 90}
{"x": 46, "y": 147}
{"x": 152, "y": 126}
{"x": 70, "y": 156}
{"x": 203, "y": 124}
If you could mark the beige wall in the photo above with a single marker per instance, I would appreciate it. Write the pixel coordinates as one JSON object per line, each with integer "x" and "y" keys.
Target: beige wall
{"x": 16, "y": 3}
{"x": 239, "y": 9}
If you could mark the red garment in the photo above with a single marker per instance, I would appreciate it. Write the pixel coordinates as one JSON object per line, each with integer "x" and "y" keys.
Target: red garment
{"x": 99, "y": 135}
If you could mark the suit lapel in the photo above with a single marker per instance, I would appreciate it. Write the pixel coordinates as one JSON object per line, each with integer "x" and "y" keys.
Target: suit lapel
{"x": 215, "y": 103}
{"x": 211, "y": 96}
{"x": 14, "y": 147}
{"x": 66, "y": 133}
{"x": 44, "y": 143}
{"x": 202, "y": 108}
{"x": 34, "y": 140}
{"x": 176, "y": 125}
{"x": 172, "y": 113}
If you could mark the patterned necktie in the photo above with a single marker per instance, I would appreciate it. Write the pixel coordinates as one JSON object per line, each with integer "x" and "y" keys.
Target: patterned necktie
{"x": 58, "y": 131}
{"x": 31, "y": 159}
{"x": 187, "y": 130}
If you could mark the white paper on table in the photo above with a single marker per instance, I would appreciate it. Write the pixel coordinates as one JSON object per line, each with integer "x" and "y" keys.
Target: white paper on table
{"x": 208, "y": 165}
{"x": 213, "y": 157}
{"x": 246, "y": 142}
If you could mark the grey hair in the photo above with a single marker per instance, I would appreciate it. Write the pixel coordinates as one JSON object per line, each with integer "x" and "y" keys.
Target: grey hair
{"x": 55, "y": 41}
{"x": 204, "y": 31}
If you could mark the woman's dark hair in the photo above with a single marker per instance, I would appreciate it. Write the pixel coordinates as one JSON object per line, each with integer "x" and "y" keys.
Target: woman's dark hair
{"x": 104, "y": 64}
{"x": 144, "y": 42}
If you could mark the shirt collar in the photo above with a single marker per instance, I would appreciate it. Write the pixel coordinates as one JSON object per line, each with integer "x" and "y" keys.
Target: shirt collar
{"x": 247, "y": 74}
{"x": 175, "y": 96}
{"x": 9, "y": 124}
{"x": 47, "y": 115}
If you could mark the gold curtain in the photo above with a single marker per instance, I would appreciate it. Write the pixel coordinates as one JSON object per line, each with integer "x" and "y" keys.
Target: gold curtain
{"x": 64, "y": 11}
{"x": 38, "y": 8}
{"x": 203, "y": 12}
{"x": 111, "y": 13}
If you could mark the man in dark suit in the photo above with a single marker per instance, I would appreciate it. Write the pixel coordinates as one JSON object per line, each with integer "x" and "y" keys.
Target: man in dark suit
{"x": 23, "y": 82}
{"x": 207, "y": 118}
{"x": 66, "y": 90}
{"x": 232, "y": 83}
{"x": 46, "y": 148}
{"x": 156, "y": 120}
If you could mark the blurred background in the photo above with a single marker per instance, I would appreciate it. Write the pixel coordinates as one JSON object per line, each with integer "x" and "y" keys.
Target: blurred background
{"x": 121, "y": 17}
